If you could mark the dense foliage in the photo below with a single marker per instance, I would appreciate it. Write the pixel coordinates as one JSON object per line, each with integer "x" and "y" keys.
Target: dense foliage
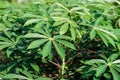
{"x": 59, "y": 40}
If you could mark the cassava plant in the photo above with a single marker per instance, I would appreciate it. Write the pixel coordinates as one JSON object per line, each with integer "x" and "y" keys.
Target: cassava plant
{"x": 51, "y": 39}
{"x": 106, "y": 67}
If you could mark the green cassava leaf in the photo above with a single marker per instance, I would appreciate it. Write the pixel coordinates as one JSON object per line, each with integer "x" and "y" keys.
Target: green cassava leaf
{"x": 13, "y": 76}
{"x": 2, "y": 27}
{"x": 73, "y": 33}
{"x": 10, "y": 50}
{"x": 103, "y": 56}
{"x": 116, "y": 67}
{"x": 43, "y": 78}
{"x": 31, "y": 21}
{"x": 66, "y": 43}
{"x": 107, "y": 75}
{"x": 92, "y": 34}
{"x": 46, "y": 49}
{"x": 113, "y": 57}
{"x": 100, "y": 70}
{"x": 98, "y": 20}
{"x": 4, "y": 45}
{"x": 35, "y": 67}
{"x": 115, "y": 74}
{"x": 62, "y": 37}
{"x": 57, "y": 23}
{"x": 38, "y": 27}
{"x": 108, "y": 33}
{"x": 93, "y": 61}
{"x": 103, "y": 38}
{"x": 36, "y": 43}
{"x": 64, "y": 28}
{"x": 34, "y": 35}
{"x": 116, "y": 61}
{"x": 110, "y": 40}
{"x": 30, "y": 16}
{"x": 59, "y": 49}
{"x": 4, "y": 39}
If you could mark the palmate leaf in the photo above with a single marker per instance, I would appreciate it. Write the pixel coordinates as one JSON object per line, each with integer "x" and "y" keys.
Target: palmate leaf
{"x": 64, "y": 28}
{"x": 59, "y": 49}
{"x": 36, "y": 43}
{"x": 46, "y": 49}
{"x": 66, "y": 43}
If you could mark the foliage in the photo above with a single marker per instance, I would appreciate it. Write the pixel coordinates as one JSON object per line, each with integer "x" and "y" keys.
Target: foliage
{"x": 103, "y": 67}
{"x": 59, "y": 39}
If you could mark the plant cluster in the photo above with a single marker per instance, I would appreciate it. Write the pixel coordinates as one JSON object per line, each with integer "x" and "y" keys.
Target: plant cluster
{"x": 60, "y": 40}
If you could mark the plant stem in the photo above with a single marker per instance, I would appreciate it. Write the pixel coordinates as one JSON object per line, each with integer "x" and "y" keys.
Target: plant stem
{"x": 63, "y": 68}
{"x": 54, "y": 63}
